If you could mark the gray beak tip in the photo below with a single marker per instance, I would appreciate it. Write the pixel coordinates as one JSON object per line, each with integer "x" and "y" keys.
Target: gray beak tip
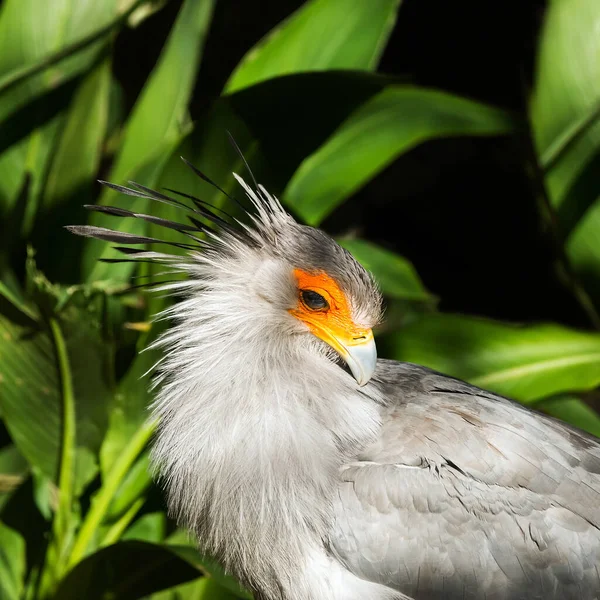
{"x": 362, "y": 360}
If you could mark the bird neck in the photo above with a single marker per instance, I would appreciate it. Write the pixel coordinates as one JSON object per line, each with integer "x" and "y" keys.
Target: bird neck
{"x": 252, "y": 434}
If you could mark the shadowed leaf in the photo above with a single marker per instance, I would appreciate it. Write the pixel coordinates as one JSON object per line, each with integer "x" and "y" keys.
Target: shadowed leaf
{"x": 523, "y": 362}
{"x": 394, "y": 121}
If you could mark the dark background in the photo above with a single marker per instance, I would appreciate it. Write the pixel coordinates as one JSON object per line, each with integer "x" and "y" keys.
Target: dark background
{"x": 464, "y": 211}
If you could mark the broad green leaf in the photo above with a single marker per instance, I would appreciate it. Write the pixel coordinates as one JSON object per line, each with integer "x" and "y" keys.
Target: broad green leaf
{"x": 565, "y": 106}
{"x": 71, "y": 178}
{"x": 583, "y": 248}
{"x": 12, "y": 564}
{"x": 321, "y": 35}
{"x": 30, "y": 111}
{"x": 157, "y": 124}
{"x": 125, "y": 571}
{"x": 30, "y": 385}
{"x": 31, "y": 32}
{"x": 393, "y": 122}
{"x": 78, "y": 151}
{"x": 565, "y": 116}
{"x": 572, "y": 410}
{"x": 394, "y": 274}
{"x": 299, "y": 113}
{"x": 523, "y": 362}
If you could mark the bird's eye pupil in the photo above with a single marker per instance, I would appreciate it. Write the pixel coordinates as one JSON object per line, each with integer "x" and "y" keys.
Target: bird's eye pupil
{"x": 313, "y": 300}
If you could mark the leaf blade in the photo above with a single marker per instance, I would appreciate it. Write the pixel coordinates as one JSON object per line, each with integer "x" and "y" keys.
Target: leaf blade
{"x": 572, "y": 410}
{"x": 12, "y": 563}
{"x": 157, "y": 124}
{"x": 387, "y": 125}
{"x": 394, "y": 274}
{"x": 523, "y": 362}
{"x": 321, "y": 35}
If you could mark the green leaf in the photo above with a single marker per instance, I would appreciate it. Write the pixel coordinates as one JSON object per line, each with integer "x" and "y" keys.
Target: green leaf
{"x": 572, "y": 410}
{"x": 583, "y": 248}
{"x": 128, "y": 409}
{"x": 12, "y": 564}
{"x": 150, "y": 527}
{"x": 157, "y": 124}
{"x": 565, "y": 116}
{"x": 30, "y": 385}
{"x": 565, "y": 105}
{"x": 134, "y": 486}
{"x": 12, "y": 300}
{"x": 125, "y": 571}
{"x": 523, "y": 362}
{"x": 30, "y": 108}
{"x": 321, "y": 35}
{"x": 393, "y": 122}
{"x": 208, "y": 566}
{"x": 204, "y": 588}
{"x": 77, "y": 156}
{"x": 394, "y": 274}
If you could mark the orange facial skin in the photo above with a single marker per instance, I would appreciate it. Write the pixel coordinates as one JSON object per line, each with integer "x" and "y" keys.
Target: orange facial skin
{"x": 334, "y": 324}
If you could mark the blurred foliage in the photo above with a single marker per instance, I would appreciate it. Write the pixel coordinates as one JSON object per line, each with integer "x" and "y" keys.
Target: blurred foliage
{"x": 79, "y": 515}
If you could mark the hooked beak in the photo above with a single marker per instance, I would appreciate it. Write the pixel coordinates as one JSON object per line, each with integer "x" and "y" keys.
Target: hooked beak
{"x": 359, "y": 353}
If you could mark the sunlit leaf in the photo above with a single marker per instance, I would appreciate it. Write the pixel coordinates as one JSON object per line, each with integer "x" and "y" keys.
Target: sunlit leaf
{"x": 12, "y": 564}
{"x": 128, "y": 409}
{"x": 134, "y": 486}
{"x": 394, "y": 274}
{"x": 394, "y": 121}
{"x": 565, "y": 105}
{"x": 523, "y": 362}
{"x": 321, "y": 35}
{"x": 30, "y": 111}
{"x": 565, "y": 115}
{"x": 572, "y": 410}
{"x": 157, "y": 124}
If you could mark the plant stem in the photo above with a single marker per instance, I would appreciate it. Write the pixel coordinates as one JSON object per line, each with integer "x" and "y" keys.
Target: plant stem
{"x": 108, "y": 490}
{"x": 67, "y": 458}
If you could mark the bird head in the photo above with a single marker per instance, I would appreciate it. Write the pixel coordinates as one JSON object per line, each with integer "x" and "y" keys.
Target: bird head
{"x": 291, "y": 282}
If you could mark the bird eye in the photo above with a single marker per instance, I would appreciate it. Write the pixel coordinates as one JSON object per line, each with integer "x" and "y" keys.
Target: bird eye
{"x": 313, "y": 300}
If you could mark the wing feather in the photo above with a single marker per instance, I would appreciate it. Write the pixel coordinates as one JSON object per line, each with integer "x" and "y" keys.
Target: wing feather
{"x": 468, "y": 495}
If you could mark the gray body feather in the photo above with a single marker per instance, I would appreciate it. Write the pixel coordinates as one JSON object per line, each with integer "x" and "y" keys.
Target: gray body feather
{"x": 465, "y": 494}
{"x": 307, "y": 486}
